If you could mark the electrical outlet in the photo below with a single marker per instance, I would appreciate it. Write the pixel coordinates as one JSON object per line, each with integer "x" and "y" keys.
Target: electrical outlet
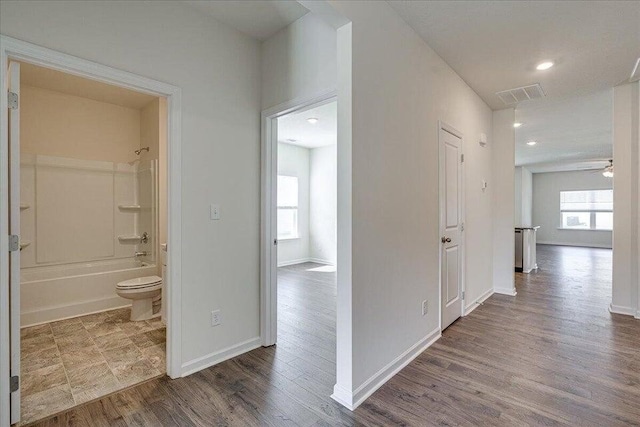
{"x": 425, "y": 307}
{"x": 214, "y": 212}
{"x": 216, "y": 318}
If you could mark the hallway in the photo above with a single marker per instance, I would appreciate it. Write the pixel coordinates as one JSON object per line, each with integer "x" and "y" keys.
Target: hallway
{"x": 553, "y": 355}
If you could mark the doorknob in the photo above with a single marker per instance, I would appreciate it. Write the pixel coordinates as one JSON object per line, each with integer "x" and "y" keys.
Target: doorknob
{"x": 445, "y": 240}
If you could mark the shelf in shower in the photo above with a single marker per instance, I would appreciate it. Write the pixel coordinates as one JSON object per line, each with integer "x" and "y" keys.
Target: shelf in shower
{"x": 24, "y": 206}
{"x": 130, "y": 240}
{"x": 129, "y": 207}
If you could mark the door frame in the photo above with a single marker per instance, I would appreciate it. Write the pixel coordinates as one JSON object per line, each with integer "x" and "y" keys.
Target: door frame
{"x": 442, "y": 125}
{"x": 268, "y": 214}
{"x": 18, "y": 50}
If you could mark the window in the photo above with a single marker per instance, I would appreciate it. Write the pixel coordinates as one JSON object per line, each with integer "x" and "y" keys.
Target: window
{"x": 586, "y": 210}
{"x": 287, "y": 207}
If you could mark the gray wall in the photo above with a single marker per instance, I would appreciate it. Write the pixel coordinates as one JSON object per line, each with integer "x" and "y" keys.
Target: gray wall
{"x": 546, "y": 207}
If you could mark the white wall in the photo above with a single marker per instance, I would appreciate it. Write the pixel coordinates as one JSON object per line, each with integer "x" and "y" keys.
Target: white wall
{"x": 323, "y": 205}
{"x": 401, "y": 88}
{"x": 218, "y": 70}
{"x": 626, "y": 184}
{"x": 546, "y": 207}
{"x": 299, "y": 61}
{"x": 294, "y": 161}
{"x": 523, "y": 197}
{"x": 504, "y": 205}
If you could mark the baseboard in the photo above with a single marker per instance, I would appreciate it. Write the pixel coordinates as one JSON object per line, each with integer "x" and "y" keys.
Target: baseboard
{"x": 579, "y": 245}
{"x": 482, "y": 298}
{"x": 505, "y": 291}
{"x": 52, "y": 314}
{"x": 321, "y": 261}
{"x": 214, "y": 358}
{"x": 293, "y": 262}
{"x": 619, "y": 309}
{"x": 352, "y": 401}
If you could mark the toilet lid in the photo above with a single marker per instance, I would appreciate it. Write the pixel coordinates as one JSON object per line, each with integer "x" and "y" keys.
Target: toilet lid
{"x": 140, "y": 282}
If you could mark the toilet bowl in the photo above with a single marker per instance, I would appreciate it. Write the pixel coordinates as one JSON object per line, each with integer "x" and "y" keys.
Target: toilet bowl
{"x": 142, "y": 291}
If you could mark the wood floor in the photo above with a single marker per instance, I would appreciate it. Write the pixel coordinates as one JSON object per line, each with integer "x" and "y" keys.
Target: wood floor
{"x": 552, "y": 355}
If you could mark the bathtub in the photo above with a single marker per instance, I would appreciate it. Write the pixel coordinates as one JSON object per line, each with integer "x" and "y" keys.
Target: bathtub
{"x": 49, "y": 293}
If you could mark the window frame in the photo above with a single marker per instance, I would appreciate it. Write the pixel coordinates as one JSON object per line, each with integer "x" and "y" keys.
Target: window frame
{"x": 296, "y": 208}
{"x": 592, "y": 212}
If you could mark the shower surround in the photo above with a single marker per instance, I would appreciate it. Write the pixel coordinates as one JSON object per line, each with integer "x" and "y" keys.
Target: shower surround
{"x": 81, "y": 225}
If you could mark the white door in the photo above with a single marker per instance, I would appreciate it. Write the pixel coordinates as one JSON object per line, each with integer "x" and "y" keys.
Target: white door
{"x": 450, "y": 226}
{"x": 14, "y": 229}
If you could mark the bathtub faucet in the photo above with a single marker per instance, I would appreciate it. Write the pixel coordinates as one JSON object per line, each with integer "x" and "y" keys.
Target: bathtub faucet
{"x": 139, "y": 254}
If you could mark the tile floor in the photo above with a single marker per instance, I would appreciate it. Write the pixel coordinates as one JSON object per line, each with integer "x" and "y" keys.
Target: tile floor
{"x": 73, "y": 361}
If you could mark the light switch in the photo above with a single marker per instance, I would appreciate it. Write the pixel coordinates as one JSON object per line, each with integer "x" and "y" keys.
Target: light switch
{"x": 215, "y": 212}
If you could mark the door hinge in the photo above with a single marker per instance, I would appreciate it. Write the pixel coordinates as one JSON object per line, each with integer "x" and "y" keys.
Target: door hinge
{"x": 462, "y": 294}
{"x": 14, "y": 383}
{"x": 462, "y": 226}
{"x": 275, "y": 242}
{"x": 12, "y": 100}
{"x": 14, "y": 242}
{"x": 461, "y": 158}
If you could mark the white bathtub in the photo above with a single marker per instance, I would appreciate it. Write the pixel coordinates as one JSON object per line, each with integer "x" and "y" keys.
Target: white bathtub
{"x": 57, "y": 292}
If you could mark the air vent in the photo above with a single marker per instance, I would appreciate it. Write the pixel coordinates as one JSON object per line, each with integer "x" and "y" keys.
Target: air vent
{"x": 635, "y": 74}
{"x": 519, "y": 94}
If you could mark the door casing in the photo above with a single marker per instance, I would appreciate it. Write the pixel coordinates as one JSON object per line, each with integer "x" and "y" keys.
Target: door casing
{"x": 18, "y": 50}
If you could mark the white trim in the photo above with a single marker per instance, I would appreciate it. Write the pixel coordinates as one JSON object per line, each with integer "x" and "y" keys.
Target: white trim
{"x": 214, "y": 358}
{"x": 579, "y": 245}
{"x": 482, "y": 298}
{"x": 268, "y": 225}
{"x": 303, "y": 260}
{"x": 11, "y": 48}
{"x": 627, "y": 311}
{"x": 376, "y": 381}
{"x": 293, "y": 262}
{"x": 505, "y": 291}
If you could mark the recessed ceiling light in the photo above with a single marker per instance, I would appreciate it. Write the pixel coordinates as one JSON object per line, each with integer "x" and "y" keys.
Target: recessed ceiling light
{"x": 517, "y": 124}
{"x": 544, "y": 65}
{"x": 312, "y": 120}
{"x": 532, "y": 143}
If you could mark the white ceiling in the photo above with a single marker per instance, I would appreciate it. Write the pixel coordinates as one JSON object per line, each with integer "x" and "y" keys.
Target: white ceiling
{"x": 46, "y": 78}
{"x": 259, "y": 19}
{"x": 495, "y": 45}
{"x": 294, "y": 128}
{"x": 568, "y": 132}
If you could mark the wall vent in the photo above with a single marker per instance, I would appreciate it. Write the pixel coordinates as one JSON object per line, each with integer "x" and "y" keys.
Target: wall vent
{"x": 635, "y": 74}
{"x": 519, "y": 94}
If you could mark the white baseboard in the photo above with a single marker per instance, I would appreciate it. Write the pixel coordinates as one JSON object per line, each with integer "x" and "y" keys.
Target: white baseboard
{"x": 321, "y": 261}
{"x": 214, "y": 358}
{"x": 352, "y": 400}
{"x": 32, "y": 318}
{"x": 505, "y": 291}
{"x": 303, "y": 260}
{"x": 580, "y": 245}
{"x": 293, "y": 262}
{"x": 482, "y": 298}
{"x": 619, "y": 309}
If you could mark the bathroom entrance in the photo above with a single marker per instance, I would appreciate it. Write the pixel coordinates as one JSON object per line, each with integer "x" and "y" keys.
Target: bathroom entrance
{"x": 92, "y": 200}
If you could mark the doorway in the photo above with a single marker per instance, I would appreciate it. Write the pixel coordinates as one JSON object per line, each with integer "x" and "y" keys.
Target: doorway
{"x": 63, "y": 353}
{"x": 301, "y": 286}
{"x": 451, "y": 189}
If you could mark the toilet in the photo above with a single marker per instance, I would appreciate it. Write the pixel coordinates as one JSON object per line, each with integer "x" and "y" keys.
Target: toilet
{"x": 142, "y": 291}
